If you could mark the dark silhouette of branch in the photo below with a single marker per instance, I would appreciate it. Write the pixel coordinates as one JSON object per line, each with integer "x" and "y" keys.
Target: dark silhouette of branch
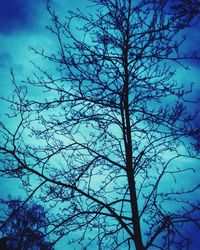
{"x": 110, "y": 136}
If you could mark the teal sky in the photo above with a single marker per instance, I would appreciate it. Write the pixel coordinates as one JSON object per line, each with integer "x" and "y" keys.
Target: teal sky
{"x": 22, "y": 24}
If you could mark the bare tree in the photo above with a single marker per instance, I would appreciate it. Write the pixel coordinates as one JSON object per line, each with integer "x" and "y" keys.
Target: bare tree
{"x": 109, "y": 137}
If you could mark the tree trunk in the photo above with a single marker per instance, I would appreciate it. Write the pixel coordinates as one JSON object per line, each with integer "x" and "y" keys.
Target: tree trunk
{"x": 128, "y": 143}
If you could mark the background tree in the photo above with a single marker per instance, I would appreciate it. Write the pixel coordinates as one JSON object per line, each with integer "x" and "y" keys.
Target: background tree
{"x": 110, "y": 131}
{"x": 25, "y": 226}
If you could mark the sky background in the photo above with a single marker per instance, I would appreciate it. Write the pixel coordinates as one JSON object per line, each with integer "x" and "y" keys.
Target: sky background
{"x": 22, "y": 24}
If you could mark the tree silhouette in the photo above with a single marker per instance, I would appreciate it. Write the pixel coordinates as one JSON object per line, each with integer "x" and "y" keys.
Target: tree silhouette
{"x": 24, "y": 227}
{"x": 109, "y": 136}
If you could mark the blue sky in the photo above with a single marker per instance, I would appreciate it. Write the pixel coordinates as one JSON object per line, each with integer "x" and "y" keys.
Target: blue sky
{"x": 18, "y": 15}
{"x": 22, "y": 24}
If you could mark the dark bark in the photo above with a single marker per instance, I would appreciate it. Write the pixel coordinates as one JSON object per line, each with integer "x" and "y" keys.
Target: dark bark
{"x": 111, "y": 127}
